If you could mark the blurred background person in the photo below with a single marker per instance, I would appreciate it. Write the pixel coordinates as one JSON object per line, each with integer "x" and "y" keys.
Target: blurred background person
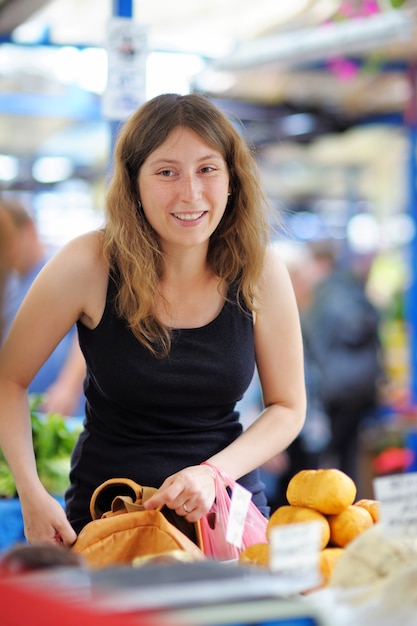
{"x": 341, "y": 330}
{"x": 23, "y": 256}
{"x": 307, "y": 450}
{"x": 5, "y": 237}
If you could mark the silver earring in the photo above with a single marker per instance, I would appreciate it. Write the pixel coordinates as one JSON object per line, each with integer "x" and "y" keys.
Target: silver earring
{"x": 139, "y": 204}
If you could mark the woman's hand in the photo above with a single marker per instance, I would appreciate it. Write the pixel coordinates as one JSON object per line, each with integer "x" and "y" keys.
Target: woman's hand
{"x": 45, "y": 521}
{"x": 190, "y": 492}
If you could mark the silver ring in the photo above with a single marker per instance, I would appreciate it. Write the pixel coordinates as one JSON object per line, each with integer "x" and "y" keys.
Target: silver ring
{"x": 184, "y": 506}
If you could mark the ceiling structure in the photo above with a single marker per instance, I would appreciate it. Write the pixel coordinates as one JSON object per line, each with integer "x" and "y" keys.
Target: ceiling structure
{"x": 294, "y": 71}
{"x": 355, "y": 67}
{"x": 302, "y": 65}
{"x": 14, "y": 13}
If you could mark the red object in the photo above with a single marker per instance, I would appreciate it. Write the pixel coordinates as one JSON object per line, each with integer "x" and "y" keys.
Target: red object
{"x": 393, "y": 460}
{"x": 21, "y": 605}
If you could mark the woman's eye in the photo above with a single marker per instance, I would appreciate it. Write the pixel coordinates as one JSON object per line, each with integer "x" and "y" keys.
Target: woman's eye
{"x": 208, "y": 168}
{"x": 166, "y": 173}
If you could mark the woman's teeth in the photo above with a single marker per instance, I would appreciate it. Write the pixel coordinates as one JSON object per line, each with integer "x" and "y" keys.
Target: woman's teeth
{"x": 188, "y": 217}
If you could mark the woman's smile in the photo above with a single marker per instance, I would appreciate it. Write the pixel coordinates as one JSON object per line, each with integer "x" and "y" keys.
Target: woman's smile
{"x": 189, "y": 217}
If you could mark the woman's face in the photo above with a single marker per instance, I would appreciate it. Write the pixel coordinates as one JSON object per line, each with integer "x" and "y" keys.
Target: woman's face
{"x": 183, "y": 188}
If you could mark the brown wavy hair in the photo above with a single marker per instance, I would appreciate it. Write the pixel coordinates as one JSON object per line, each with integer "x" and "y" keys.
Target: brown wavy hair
{"x": 237, "y": 247}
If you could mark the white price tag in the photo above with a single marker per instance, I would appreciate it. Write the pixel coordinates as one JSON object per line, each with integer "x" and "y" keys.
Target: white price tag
{"x": 397, "y": 495}
{"x": 127, "y": 51}
{"x": 294, "y": 553}
{"x": 239, "y": 505}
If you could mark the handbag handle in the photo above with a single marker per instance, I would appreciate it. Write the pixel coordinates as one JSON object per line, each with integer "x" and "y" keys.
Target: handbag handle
{"x": 118, "y": 495}
{"x": 123, "y": 495}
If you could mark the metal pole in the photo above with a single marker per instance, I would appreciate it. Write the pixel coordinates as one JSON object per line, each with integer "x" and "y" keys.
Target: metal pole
{"x": 122, "y": 8}
{"x": 410, "y": 119}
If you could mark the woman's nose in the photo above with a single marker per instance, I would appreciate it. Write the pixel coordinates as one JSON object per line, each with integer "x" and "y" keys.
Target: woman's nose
{"x": 190, "y": 189}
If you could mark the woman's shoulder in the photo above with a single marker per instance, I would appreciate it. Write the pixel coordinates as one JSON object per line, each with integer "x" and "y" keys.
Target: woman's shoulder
{"x": 87, "y": 243}
{"x": 275, "y": 286}
{"x": 80, "y": 263}
{"x": 274, "y": 267}
{"x": 87, "y": 274}
{"x": 86, "y": 250}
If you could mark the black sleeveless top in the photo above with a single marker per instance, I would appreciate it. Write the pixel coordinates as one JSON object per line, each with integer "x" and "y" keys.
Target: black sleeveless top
{"x": 146, "y": 417}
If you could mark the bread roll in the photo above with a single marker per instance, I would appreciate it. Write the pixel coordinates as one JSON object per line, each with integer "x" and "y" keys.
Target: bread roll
{"x": 348, "y": 524}
{"x": 171, "y": 556}
{"x": 372, "y": 506}
{"x": 328, "y": 491}
{"x": 288, "y": 514}
{"x": 256, "y": 554}
{"x": 327, "y": 562}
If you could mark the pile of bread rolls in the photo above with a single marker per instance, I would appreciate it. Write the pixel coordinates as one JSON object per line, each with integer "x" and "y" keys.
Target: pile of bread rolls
{"x": 328, "y": 496}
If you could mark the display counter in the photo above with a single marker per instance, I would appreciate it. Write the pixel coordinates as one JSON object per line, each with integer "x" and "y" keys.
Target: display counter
{"x": 63, "y": 597}
{"x": 193, "y": 594}
{"x": 212, "y": 593}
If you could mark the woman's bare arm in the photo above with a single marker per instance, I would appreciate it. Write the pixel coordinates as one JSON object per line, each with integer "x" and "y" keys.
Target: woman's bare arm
{"x": 71, "y": 286}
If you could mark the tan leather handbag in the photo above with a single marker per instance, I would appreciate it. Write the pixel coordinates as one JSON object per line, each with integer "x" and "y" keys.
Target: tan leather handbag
{"x": 122, "y": 531}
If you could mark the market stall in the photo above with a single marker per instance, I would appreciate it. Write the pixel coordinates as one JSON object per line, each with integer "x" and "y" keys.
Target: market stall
{"x": 370, "y": 582}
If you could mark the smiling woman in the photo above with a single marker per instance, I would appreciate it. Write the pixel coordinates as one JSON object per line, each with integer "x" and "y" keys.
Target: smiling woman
{"x": 176, "y": 300}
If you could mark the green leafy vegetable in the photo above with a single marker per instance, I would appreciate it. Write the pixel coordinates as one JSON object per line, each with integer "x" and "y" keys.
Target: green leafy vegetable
{"x": 53, "y": 441}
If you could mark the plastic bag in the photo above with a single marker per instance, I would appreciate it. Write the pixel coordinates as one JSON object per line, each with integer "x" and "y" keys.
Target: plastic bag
{"x": 213, "y": 525}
